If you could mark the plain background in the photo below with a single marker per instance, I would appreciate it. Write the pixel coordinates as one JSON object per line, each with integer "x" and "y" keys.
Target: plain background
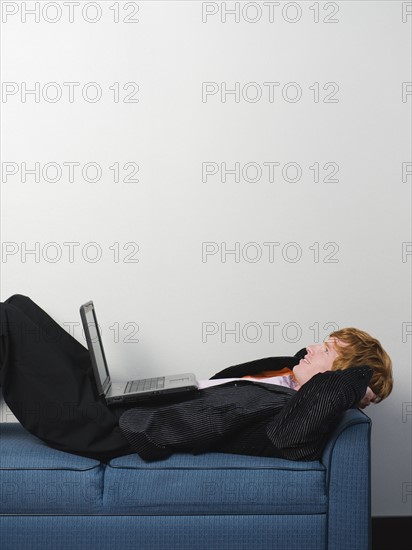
{"x": 174, "y": 255}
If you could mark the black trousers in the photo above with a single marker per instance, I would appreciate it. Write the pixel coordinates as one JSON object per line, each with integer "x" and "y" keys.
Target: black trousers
{"x": 47, "y": 382}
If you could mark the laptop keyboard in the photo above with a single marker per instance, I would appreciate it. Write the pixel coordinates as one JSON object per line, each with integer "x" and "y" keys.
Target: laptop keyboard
{"x": 146, "y": 384}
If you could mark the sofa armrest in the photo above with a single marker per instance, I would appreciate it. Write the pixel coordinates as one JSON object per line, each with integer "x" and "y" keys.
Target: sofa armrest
{"x": 347, "y": 461}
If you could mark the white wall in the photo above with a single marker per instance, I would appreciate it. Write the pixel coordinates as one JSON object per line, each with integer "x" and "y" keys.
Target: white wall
{"x": 163, "y": 297}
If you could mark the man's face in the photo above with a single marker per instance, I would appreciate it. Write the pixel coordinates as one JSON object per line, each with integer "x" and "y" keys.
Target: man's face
{"x": 318, "y": 358}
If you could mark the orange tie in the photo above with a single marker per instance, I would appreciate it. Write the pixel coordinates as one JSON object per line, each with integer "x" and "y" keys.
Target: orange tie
{"x": 270, "y": 373}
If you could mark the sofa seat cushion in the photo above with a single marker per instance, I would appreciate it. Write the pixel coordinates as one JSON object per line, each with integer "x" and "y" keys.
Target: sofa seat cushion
{"x": 36, "y": 479}
{"x": 214, "y": 483}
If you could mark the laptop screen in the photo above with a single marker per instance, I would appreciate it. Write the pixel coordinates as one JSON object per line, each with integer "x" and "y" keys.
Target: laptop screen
{"x": 95, "y": 345}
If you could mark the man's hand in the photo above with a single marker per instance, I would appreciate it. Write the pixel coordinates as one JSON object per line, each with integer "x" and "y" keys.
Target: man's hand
{"x": 368, "y": 398}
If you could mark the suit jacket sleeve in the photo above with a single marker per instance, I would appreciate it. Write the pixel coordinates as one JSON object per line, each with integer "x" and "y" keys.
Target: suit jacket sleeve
{"x": 260, "y": 365}
{"x": 301, "y": 429}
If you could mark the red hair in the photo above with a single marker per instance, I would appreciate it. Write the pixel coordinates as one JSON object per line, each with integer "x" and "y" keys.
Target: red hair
{"x": 362, "y": 349}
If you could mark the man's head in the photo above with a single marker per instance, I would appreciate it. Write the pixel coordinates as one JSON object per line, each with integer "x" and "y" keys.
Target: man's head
{"x": 349, "y": 347}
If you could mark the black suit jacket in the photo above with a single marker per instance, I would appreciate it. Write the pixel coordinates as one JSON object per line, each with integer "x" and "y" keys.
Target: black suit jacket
{"x": 249, "y": 418}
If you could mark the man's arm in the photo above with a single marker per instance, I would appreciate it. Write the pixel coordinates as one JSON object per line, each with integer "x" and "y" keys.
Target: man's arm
{"x": 301, "y": 429}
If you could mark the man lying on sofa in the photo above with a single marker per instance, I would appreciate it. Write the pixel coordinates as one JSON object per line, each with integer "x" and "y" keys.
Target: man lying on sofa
{"x": 278, "y": 406}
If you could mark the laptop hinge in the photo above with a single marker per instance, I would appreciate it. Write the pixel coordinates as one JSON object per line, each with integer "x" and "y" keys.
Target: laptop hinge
{"x": 106, "y": 388}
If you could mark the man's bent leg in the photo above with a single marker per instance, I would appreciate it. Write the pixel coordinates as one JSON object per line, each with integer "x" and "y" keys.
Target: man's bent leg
{"x": 49, "y": 330}
{"x": 47, "y": 382}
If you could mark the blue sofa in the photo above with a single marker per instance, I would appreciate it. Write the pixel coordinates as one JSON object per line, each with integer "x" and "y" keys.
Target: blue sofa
{"x": 51, "y": 500}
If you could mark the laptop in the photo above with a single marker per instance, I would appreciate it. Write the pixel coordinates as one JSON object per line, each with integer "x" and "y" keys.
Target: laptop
{"x": 133, "y": 391}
